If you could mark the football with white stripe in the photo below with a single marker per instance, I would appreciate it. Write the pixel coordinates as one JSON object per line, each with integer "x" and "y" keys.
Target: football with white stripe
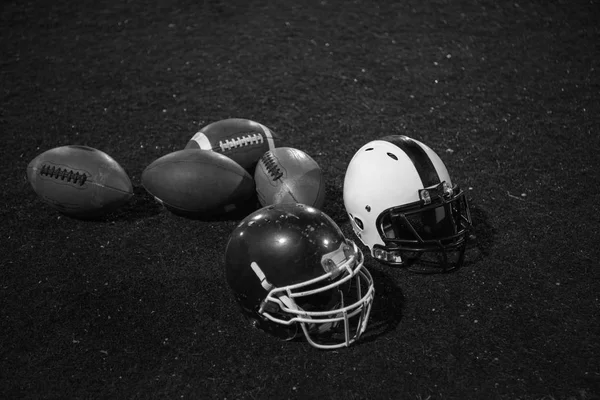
{"x": 242, "y": 140}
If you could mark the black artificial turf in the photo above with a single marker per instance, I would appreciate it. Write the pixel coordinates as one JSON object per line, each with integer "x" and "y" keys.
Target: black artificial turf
{"x": 136, "y": 306}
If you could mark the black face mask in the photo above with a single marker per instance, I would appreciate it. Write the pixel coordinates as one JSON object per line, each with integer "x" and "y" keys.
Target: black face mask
{"x": 427, "y": 236}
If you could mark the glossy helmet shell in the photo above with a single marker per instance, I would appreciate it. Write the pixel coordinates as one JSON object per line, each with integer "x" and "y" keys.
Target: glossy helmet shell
{"x": 285, "y": 246}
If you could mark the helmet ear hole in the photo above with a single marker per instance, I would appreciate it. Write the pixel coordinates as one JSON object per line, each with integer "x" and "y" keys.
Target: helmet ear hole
{"x": 359, "y": 223}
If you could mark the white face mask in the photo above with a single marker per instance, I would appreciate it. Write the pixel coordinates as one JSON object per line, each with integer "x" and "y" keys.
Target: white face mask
{"x": 336, "y": 311}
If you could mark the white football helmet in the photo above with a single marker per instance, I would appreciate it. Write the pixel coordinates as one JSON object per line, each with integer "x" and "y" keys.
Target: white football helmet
{"x": 403, "y": 206}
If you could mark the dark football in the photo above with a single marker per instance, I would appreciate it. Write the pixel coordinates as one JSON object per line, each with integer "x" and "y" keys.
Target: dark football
{"x": 79, "y": 181}
{"x": 242, "y": 140}
{"x": 288, "y": 175}
{"x": 198, "y": 183}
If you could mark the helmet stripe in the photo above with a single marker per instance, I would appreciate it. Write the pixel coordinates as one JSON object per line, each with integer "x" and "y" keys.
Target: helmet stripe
{"x": 418, "y": 156}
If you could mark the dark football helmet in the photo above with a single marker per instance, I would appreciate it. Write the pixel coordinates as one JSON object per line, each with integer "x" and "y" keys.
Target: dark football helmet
{"x": 404, "y": 207}
{"x": 294, "y": 275}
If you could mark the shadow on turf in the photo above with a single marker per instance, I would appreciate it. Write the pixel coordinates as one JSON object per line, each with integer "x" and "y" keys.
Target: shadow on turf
{"x": 482, "y": 237}
{"x": 142, "y": 205}
{"x": 386, "y": 312}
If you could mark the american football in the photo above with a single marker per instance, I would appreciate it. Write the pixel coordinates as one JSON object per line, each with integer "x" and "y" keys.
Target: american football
{"x": 79, "y": 181}
{"x": 288, "y": 175}
{"x": 197, "y": 183}
{"x": 242, "y": 140}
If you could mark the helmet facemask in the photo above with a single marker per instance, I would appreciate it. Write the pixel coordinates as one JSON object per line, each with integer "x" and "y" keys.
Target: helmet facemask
{"x": 331, "y": 310}
{"x": 426, "y": 236}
